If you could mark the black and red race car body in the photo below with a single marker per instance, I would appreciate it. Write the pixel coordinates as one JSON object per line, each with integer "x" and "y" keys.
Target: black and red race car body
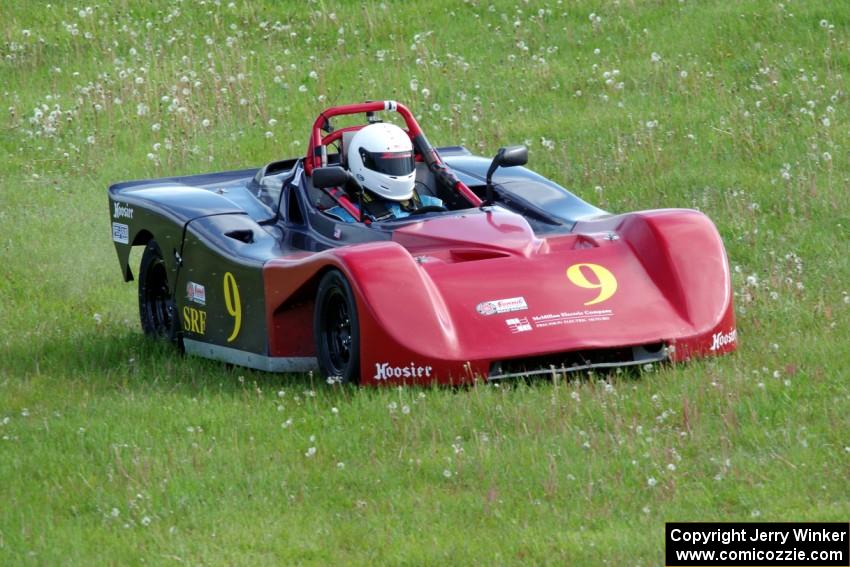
{"x": 536, "y": 281}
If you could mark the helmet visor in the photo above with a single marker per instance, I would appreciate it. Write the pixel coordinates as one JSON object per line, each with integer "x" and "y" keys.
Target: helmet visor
{"x": 389, "y": 163}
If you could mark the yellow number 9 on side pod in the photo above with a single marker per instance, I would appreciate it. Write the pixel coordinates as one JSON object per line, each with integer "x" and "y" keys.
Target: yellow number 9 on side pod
{"x": 233, "y": 304}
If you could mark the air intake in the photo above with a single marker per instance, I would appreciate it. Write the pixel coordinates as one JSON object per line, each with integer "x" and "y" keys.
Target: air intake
{"x": 577, "y": 361}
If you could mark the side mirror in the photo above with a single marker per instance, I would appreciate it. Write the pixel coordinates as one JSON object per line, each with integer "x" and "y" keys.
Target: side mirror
{"x": 327, "y": 177}
{"x": 512, "y": 155}
{"x": 335, "y": 176}
{"x": 505, "y": 157}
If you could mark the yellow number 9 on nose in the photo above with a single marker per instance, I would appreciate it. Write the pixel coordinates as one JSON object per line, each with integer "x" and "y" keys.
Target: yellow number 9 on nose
{"x": 606, "y": 283}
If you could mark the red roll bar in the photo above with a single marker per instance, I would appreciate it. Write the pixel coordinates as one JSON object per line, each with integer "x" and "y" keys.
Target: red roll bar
{"x": 317, "y": 152}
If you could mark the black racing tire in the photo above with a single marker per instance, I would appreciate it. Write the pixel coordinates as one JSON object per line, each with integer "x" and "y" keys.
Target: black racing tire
{"x": 157, "y": 311}
{"x": 336, "y": 329}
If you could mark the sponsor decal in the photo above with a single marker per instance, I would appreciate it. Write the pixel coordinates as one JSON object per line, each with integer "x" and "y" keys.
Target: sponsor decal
{"x": 721, "y": 339}
{"x": 518, "y": 325}
{"x": 120, "y": 233}
{"x": 194, "y": 321}
{"x": 572, "y": 317}
{"x": 605, "y": 282}
{"x": 196, "y": 293}
{"x": 502, "y": 306}
{"x": 383, "y": 371}
{"x": 122, "y": 210}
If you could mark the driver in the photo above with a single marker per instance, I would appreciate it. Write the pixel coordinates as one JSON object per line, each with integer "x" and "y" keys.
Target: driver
{"x": 380, "y": 156}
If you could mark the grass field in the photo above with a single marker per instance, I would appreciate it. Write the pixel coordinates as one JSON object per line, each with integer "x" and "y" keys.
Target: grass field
{"x": 114, "y": 450}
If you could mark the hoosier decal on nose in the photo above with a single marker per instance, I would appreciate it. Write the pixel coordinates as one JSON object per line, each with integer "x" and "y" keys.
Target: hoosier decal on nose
{"x": 721, "y": 339}
{"x": 383, "y": 371}
{"x": 122, "y": 210}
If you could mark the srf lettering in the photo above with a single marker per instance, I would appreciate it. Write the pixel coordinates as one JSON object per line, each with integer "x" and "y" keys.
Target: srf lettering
{"x": 194, "y": 320}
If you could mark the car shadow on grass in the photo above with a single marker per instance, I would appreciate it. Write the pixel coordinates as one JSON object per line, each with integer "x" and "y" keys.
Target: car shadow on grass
{"x": 123, "y": 358}
{"x": 127, "y": 359}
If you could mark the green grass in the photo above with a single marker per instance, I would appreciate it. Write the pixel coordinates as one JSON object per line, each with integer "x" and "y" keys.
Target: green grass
{"x": 115, "y": 450}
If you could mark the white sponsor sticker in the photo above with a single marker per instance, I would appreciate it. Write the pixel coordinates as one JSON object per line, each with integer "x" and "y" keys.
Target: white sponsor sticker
{"x": 518, "y": 325}
{"x": 196, "y": 293}
{"x": 502, "y": 306}
{"x": 120, "y": 233}
{"x": 720, "y": 340}
{"x": 122, "y": 210}
{"x": 383, "y": 371}
{"x": 572, "y": 317}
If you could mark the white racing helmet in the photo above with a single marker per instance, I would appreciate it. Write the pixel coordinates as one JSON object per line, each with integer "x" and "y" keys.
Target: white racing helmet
{"x": 380, "y": 156}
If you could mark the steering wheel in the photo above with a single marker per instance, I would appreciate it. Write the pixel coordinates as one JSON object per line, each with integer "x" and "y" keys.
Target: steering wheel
{"x": 428, "y": 209}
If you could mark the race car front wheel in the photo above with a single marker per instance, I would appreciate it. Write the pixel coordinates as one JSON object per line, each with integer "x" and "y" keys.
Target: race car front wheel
{"x": 336, "y": 329}
{"x": 156, "y": 306}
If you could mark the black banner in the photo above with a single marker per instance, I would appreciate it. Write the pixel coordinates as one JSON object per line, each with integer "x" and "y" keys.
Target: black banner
{"x": 760, "y": 544}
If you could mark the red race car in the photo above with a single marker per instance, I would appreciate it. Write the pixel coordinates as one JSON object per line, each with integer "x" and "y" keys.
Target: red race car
{"x": 379, "y": 259}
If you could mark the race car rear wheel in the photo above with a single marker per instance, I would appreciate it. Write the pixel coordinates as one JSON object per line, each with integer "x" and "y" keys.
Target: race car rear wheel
{"x": 156, "y": 305}
{"x": 336, "y": 329}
